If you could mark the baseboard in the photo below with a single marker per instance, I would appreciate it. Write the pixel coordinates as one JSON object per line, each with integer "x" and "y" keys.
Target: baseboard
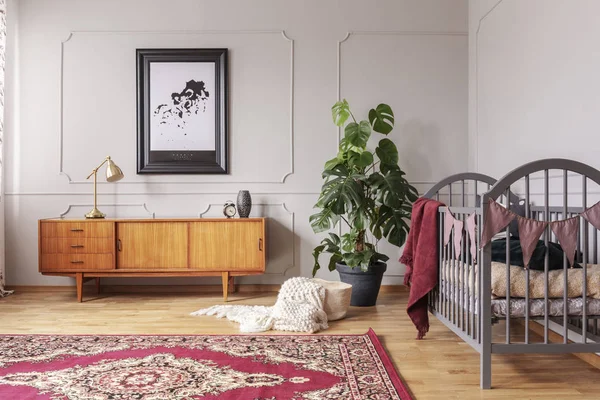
{"x": 241, "y": 288}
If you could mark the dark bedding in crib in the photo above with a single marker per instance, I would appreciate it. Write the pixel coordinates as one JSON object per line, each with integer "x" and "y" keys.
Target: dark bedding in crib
{"x": 537, "y": 260}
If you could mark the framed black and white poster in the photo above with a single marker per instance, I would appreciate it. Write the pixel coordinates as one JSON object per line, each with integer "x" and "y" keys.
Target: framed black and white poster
{"x": 182, "y": 111}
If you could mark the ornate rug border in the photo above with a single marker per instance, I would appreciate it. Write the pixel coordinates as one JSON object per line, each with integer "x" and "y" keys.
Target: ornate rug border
{"x": 401, "y": 388}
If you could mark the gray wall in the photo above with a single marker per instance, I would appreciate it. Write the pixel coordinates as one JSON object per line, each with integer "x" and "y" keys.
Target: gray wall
{"x": 289, "y": 60}
{"x": 534, "y": 82}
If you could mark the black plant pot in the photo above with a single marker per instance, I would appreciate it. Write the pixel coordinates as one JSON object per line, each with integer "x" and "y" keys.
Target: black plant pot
{"x": 365, "y": 284}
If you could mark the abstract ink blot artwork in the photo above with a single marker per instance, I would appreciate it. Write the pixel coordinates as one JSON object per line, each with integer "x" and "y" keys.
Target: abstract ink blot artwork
{"x": 182, "y": 105}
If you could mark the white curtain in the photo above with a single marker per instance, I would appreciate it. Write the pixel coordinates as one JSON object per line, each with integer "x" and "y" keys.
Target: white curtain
{"x": 2, "y": 63}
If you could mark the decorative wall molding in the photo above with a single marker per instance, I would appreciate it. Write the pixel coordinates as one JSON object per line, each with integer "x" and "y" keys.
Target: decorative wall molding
{"x": 156, "y": 193}
{"x": 385, "y": 33}
{"x": 87, "y": 205}
{"x": 291, "y": 171}
{"x": 292, "y": 215}
{"x": 479, "y": 25}
{"x": 202, "y": 193}
{"x": 388, "y": 33}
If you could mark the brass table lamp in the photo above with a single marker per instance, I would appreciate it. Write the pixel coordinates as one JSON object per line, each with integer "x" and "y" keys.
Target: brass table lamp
{"x": 113, "y": 174}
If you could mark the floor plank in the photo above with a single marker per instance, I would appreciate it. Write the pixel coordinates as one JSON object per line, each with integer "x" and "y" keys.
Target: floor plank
{"x": 439, "y": 367}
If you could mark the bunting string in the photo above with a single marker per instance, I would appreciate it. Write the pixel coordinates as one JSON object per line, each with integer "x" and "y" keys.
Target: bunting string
{"x": 497, "y": 218}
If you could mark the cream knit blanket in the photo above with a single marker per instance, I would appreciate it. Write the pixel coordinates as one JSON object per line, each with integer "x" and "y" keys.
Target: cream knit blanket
{"x": 299, "y": 308}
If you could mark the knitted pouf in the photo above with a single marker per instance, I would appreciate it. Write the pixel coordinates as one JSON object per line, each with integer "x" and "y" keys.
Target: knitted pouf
{"x": 337, "y": 298}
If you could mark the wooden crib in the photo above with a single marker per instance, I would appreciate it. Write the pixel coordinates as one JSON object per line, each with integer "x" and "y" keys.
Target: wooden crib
{"x": 456, "y": 301}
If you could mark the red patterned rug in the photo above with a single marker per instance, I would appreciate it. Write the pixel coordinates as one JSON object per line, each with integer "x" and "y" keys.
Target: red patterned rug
{"x": 274, "y": 367}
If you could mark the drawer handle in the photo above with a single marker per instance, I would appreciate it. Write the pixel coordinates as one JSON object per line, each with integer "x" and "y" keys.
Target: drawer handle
{"x": 77, "y": 262}
{"x": 77, "y": 246}
{"x": 76, "y": 230}
{"x": 260, "y": 245}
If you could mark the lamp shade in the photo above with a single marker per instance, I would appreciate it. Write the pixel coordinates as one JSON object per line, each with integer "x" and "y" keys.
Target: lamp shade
{"x": 113, "y": 172}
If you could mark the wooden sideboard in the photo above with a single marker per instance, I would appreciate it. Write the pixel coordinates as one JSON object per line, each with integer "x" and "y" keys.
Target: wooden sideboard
{"x": 93, "y": 249}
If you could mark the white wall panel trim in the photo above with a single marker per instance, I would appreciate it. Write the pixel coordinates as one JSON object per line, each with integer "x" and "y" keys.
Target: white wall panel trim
{"x": 143, "y": 205}
{"x": 182, "y": 193}
{"x": 283, "y": 179}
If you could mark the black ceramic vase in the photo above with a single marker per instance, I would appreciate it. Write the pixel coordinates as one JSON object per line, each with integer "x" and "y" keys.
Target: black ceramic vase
{"x": 244, "y": 203}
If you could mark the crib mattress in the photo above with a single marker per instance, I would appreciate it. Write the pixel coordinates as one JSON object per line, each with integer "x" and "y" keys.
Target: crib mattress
{"x": 536, "y": 307}
{"x": 518, "y": 285}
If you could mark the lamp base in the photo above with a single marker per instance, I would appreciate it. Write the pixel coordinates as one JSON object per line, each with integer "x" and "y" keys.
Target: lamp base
{"x": 95, "y": 213}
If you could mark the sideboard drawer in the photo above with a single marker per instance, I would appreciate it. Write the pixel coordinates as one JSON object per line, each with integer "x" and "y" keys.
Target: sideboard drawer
{"x": 77, "y": 245}
{"x": 72, "y": 262}
{"x": 77, "y": 229}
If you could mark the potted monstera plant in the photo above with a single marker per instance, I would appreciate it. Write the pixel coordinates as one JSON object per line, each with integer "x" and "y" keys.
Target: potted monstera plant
{"x": 366, "y": 192}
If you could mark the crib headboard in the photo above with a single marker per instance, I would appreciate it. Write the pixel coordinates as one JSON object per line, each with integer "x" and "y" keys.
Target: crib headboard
{"x": 464, "y": 189}
{"x": 554, "y": 189}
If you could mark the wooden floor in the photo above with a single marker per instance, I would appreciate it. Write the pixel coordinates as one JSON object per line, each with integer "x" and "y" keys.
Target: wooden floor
{"x": 439, "y": 367}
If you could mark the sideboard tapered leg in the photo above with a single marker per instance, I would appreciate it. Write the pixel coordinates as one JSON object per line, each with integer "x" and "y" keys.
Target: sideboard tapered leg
{"x": 79, "y": 282}
{"x": 231, "y": 285}
{"x": 225, "y": 278}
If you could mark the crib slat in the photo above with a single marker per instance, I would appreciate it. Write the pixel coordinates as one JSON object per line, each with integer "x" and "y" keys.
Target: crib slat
{"x": 447, "y": 271}
{"x": 527, "y": 215}
{"x": 478, "y": 280}
{"x": 547, "y": 255}
{"x": 584, "y": 328}
{"x": 595, "y": 238}
{"x": 463, "y": 194}
{"x": 443, "y": 284}
{"x": 475, "y": 194}
{"x": 454, "y": 282}
{"x": 566, "y": 273}
{"x": 463, "y": 262}
{"x": 440, "y": 259}
{"x": 508, "y": 271}
{"x": 470, "y": 288}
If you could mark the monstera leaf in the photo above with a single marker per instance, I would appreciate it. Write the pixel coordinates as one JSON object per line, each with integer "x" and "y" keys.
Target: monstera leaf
{"x": 361, "y": 160}
{"x": 332, "y": 163}
{"x": 358, "y": 134}
{"x": 392, "y": 224}
{"x": 389, "y": 189}
{"x": 340, "y": 112}
{"x": 323, "y": 220}
{"x": 387, "y": 152}
{"x": 342, "y": 190}
{"x": 382, "y": 119}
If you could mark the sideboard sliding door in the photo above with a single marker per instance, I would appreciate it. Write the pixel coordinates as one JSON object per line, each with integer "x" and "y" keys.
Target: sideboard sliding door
{"x": 229, "y": 246}
{"x": 152, "y": 245}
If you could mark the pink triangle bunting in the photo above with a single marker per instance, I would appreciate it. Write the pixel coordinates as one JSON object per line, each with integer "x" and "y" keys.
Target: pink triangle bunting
{"x": 566, "y": 233}
{"x": 448, "y": 224}
{"x": 471, "y": 225}
{"x": 592, "y": 215}
{"x": 530, "y": 231}
{"x": 496, "y": 218}
{"x": 458, "y": 233}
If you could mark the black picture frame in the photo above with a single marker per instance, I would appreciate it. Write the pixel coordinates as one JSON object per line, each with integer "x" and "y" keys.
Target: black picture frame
{"x": 181, "y": 161}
